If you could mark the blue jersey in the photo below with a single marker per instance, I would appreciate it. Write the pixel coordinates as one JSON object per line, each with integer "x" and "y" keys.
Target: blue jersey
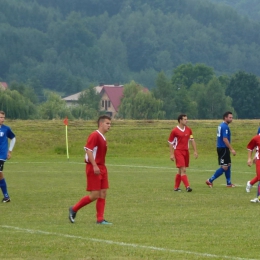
{"x": 5, "y": 133}
{"x": 258, "y": 131}
{"x": 223, "y": 132}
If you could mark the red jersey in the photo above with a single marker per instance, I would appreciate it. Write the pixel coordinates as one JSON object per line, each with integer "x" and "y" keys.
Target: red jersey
{"x": 98, "y": 145}
{"x": 254, "y": 144}
{"x": 179, "y": 138}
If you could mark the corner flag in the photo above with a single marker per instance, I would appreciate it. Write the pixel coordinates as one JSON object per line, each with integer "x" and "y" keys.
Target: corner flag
{"x": 66, "y": 122}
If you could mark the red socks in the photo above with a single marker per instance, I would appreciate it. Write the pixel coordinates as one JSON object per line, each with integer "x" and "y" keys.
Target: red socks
{"x": 100, "y": 207}
{"x": 253, "y": 181}
{"x": 177, "y": 181}
{"x": 83, "y": 202}
{"x": 184, "y": 179}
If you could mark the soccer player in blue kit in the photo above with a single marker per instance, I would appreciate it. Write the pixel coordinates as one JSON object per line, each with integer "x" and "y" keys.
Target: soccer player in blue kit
{"x": 5, "y": 153}
{"x": 223, "y": 149}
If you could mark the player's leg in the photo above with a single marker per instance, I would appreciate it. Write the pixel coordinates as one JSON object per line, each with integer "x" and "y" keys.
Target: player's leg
{"x": 250, "y": 184}
{"x": 178, "y": 161}
{"x": 3, "y": 184}
{"x": 101, "y": 201}
{"x": 257, "y": 178}
{"x": 93, "y": 186}
{"x": 184, "y": 176}
{"x": 257, "y": 199}
{"x": 220, "y": 170}
{"x": 227, "y": 160}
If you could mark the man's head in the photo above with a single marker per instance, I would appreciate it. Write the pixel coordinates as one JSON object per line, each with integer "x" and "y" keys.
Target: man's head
{"x": 104, "y": 123}
{"x": 182, "y": 119}
{"x": 2, "y": 117}
{"x": 228, "y": 117}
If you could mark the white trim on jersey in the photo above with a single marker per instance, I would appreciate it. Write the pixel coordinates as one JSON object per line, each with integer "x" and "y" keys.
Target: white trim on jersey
{"x": 94, "y": 151}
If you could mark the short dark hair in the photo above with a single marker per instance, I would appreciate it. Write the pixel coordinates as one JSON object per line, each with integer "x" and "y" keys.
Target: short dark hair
{"x": 102, "y": 118}
{"x": 2, "y": 112}
{"x": 226, "y": 114}
{"x": 180, "y": 117}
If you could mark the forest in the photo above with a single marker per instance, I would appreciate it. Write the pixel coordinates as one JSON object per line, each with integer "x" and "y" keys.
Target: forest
{"x": 66, "y": 46}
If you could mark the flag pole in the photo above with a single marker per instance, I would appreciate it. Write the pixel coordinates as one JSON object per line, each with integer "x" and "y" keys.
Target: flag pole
{"x": 66, "y": 122}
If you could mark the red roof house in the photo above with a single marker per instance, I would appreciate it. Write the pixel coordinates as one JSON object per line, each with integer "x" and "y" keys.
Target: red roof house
{"x": 3, "y": 85}
{"x": 111, "y": 99}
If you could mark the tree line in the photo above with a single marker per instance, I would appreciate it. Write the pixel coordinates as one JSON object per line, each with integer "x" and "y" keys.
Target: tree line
{"x": 65, "y": 45}
{"x": 192, "y": 89}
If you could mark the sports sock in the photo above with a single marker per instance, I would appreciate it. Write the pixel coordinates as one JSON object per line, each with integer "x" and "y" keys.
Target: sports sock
{"x": 177, "y": 181}
{"x": 185, "y": 180}
{"x": 254, "y": 180}
{"x": 228, "y": 175}
{"x": 83, "y": 202}
{"x": 4, "y": 188}
{"x": 100, "y": 207}
{"x": 258, "y": 191}
{"x": 218, "y": 173}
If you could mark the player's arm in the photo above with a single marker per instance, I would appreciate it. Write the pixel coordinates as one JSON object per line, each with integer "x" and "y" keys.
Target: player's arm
{"x": 228, "y": 145}
{"x": 250, "y": 147}
{"x": 249, "y": 158}
{"x": 172, "y": 157}
{"x": 193, "y": 143}
{"x": 92, "y": 161}
{"x": 11, "y": 147}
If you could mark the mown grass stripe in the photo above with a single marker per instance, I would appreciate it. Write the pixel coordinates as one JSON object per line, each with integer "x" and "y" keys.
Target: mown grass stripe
{"x": 124, "y": 244}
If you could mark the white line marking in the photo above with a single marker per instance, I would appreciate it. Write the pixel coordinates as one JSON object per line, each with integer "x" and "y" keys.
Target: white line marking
{"x": 138, "y": 166}
{"x": 125, "y": 244}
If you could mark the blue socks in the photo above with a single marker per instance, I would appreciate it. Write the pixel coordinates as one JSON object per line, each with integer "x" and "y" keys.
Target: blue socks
{"x": 218, "y": 173}
{"x": 4, "y": 188}
{"x": 228, "y": 175}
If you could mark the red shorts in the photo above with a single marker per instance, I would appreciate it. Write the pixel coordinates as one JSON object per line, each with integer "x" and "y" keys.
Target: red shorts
{"x": 96, "y": 181}
{"x": 182, "y": 158}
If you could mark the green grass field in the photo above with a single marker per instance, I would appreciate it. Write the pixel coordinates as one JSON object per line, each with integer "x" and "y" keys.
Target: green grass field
{"x": 150, "y": 221}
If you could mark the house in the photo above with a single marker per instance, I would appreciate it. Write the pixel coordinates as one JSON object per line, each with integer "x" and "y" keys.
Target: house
{"x": 3, "y": 85}
{"x": 110, "y": 98}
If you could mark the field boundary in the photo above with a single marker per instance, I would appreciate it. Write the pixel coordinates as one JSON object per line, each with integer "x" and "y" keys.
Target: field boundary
{"x": 31, "y": 231}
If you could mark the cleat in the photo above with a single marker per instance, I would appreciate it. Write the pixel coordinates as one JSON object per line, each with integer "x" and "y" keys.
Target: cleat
{"x": 210, "y": 184}
{"x": 5, "y": 200}
{"x": 189, "y": 189}
{"x": 177, "y": 189}
{"x": 72, "y": 215}
{"x": 231, "y": 185}
{"x": 104, "y": 222}
{"x": 255, "y": 200}
{"x": 248, "y": 186}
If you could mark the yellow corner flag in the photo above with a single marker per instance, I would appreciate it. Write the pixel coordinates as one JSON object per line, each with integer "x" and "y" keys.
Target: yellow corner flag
{"x": 66, "y": 122}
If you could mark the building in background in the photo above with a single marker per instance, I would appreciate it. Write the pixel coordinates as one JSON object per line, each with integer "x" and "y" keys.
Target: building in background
{"x": 110, "y": 98}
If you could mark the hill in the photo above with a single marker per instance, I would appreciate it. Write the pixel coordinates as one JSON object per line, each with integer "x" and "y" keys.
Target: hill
{"x": 65, "y": 45}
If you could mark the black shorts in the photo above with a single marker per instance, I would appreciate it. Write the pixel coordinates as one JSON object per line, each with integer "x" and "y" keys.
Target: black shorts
{"x": 2, "y": 165}
{"x": 223, "y": 156}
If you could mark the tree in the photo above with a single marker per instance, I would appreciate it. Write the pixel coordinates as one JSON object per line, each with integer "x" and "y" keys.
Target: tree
{"x": 54, "y": 107}
{"x": 139, "y": 103}
{"x": 16, "y": 106}
{"x": 165, "y": 91}
{"x": 213, "y": 102}
{"x": 188, "y": 74}
{"x": 244, "y": 89}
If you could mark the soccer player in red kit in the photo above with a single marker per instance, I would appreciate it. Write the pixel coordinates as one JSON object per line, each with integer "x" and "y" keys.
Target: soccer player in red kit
{"x": 179, "y": 151}
{"x": 254, "y": 144}
{"x": 96, "y": 172}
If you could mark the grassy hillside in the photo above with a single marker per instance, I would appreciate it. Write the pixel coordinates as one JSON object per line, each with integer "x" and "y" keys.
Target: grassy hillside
{"x": 44, "y": 139}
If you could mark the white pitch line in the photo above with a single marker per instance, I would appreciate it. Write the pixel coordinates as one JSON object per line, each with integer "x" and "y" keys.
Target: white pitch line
{"x": 124, "y": 244}
{"x": 139, "y": 166}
